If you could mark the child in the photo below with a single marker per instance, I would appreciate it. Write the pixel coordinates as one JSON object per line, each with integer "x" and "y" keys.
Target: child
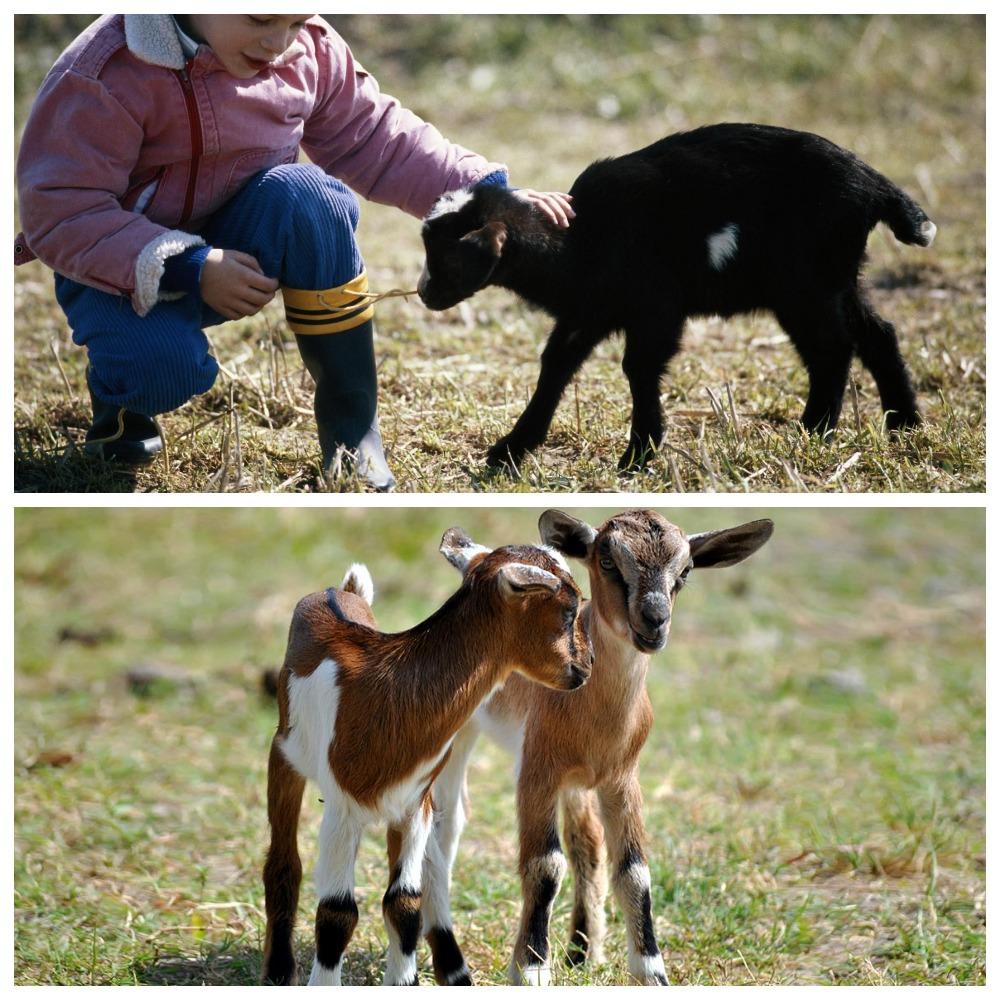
{"x": 158, "y": 178}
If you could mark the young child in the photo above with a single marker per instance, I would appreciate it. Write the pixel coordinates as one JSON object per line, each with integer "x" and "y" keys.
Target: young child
{"x": 158, "y": 176}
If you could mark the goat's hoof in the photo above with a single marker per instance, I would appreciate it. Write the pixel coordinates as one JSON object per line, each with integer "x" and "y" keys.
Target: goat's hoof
{"x": 634, "y": 460}
{"x": 896, "y": 421}
{"x": 505, "y": 456}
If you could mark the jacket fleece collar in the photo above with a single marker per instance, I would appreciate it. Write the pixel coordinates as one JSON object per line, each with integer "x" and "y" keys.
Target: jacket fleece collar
{"x": 153, "y": 39}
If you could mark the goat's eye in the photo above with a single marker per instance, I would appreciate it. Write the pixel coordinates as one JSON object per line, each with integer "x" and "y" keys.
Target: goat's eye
{"x": 607, "y": 564}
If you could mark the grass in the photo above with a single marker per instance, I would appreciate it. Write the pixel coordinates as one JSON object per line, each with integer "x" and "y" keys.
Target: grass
{"x": 814, "y": 780}
{"x": 548, "y": 95}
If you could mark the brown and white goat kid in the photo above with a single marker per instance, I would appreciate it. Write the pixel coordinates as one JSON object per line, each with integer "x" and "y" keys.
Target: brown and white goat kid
{"x": 582, "y": 750}
{"x": 370, "y": 718}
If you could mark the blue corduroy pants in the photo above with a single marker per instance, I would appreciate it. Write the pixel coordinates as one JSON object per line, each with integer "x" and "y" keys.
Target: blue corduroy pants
{"x": 297, "y": 221}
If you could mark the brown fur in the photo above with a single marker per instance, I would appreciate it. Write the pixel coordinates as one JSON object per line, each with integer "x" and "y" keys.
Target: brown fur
{"x": 403, "y": 697}
{"x": 591, "y": 739}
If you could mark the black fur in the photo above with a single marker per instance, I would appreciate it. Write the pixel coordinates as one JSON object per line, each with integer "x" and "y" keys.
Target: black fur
{"x": 636, "y": 259}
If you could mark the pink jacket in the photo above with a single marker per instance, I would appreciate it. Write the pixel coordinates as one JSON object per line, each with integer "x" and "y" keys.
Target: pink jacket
{"x": 122, "y": 117}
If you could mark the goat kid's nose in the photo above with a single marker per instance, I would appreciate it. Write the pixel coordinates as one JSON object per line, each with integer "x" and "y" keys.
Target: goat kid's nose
{"x": 655, "y": 610}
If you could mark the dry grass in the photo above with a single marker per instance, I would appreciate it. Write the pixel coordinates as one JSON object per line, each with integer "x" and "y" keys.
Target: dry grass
{"x": 451, "y": 383}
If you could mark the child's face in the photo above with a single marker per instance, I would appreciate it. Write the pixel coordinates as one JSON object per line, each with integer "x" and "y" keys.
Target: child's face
{"x": 246, "y": 43}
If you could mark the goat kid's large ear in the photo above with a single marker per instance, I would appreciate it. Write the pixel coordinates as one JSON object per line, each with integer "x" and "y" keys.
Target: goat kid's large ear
{"x": 729, "y": 546}
{"x": 518, "y": 579}
{"x": 459, "y": 549}
{"x": 566, "y": 534}
{"x": 491, "y": 238}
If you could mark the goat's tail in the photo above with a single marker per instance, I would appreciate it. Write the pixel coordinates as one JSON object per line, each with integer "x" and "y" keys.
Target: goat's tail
{"x": 907, "y": 220}
{"x": 283, "y": 868}
{"x": 358, "y": 581}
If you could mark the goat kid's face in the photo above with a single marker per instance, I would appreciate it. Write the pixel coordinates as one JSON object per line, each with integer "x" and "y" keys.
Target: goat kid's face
{"x": 540, "y": 628}
{"x": 638, "y": 562}
{"x": 462, "y": 251}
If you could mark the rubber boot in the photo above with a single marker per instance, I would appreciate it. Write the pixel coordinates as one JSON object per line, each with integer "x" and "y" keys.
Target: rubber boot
{"x": 119, "y": 435}
{"x": 343, "y": 367}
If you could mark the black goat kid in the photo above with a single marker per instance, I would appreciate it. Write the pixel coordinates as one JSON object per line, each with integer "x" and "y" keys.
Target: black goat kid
{"x": 721, "y": 220}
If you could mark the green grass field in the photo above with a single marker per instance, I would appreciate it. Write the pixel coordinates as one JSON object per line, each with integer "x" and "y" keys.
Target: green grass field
{"x": 815, "y": 778}
{"x": 548, "y": 95}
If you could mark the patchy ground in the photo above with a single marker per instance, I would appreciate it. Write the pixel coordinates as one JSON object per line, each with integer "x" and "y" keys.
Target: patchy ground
{"x": 906, "y": 93}
{"x": 814, "y": 780}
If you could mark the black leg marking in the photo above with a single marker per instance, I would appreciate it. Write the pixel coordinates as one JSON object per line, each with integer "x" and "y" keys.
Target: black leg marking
{"x": 538, "y": 922}
{"x": 447, "y": 958}
{"x": 579, "y": 942}
{"x": 336, "y": 918}
{"x": 649, "y": 946}
{"x": 402, "y": 909}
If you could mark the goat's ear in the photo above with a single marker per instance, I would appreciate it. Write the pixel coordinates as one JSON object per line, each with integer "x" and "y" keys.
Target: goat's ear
{"x": 459, "y": 549}
{"x": 729, "y": 546}
{"x": 566, "y": 534}
{"x": 518, "y": 579}
{"x": 491, "y": 238}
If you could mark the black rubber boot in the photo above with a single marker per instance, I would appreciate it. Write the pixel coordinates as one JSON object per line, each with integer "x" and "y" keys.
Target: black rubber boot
{"x": 343, "y": 367}
{"x": 117, "y": 434}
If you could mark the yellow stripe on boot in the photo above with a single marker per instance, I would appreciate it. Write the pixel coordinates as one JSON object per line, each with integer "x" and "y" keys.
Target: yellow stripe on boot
{"x": 328, "y": 310}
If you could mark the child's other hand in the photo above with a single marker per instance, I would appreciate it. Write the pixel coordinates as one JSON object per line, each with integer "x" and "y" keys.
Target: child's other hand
{"x": 555, "y": 206}
{"x": 234, "y": 285}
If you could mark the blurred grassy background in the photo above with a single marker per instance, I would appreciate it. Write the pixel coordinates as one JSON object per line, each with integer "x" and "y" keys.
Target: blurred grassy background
{"x": 547, "y": 95}
{"x": 815, "y": 778}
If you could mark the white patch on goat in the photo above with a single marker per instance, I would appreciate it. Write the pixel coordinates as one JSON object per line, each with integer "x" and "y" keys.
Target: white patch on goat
{"x": 648, "y": 969}
{"x": 533, "y": 975}
{"x": 451, "y": 202}
{"x": 927, "y": 232}
{"x": 312, "y": 718}
{"x": 397, "y": 803}
{"x": 361, "y": 578}
{"x": 722, "y": 246}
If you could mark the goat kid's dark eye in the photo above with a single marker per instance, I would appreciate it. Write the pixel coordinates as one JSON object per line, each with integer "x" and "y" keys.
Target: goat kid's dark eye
{"x": 607, "y": 564}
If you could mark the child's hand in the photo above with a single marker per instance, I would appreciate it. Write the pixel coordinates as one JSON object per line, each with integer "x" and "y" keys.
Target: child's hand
{"x": 555, "y": 206}
{"x": 233, "y": 284}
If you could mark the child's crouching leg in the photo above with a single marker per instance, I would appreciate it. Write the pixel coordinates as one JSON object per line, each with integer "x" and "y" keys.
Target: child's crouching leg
{"x": 138, "y": 366}
{"x": 299, "y": 223}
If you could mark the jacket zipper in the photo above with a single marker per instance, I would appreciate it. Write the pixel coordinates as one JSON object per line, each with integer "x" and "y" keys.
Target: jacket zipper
{"x": 197, "y": 147}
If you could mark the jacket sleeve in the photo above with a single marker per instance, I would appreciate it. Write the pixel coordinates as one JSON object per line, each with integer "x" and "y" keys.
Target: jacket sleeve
{"x": 384, "y": 152}
{"x": 78, "y": 151}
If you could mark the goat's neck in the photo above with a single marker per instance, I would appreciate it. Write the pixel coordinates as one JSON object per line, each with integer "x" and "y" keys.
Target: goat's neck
{"x": 534, "y": 266}
{"x": 620, "y": 670}
{"x": 443, "y": 668}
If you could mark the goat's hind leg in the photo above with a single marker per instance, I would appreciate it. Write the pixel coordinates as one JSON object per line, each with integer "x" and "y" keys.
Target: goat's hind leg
{"x": 583, "y": 834}
{"x": 282, "y": 869}
{"x": 820, "y": 333}
{"x": 401, "y": 902}
{"x": 449, "y": 819}
{"x": 878, "y": 350}
{"x": 567, "y": 348}
{"x": 337, "y": 912}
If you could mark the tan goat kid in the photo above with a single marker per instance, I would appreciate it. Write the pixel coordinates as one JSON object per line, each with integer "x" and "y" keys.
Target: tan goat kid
{"x": 582, "y": 749}
{"x": 371, "y": 717}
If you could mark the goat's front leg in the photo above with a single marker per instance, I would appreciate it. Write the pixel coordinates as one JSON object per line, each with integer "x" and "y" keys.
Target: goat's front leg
{"x": 449, "y": 819}
{"x": 621, "y": 806}
{"x": 648, "y": 350}
{"x": 567, "y": 348}
{"x": 543, "y": 866}
{"x": 401, "y": 902}
{"x": 337, "y": 913}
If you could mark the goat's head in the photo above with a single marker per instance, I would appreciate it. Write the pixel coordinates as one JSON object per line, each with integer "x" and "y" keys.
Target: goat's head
{"x": 539, "y": 603}
{"x": 638, "y": 562}
{"x": 463, "y": 244}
